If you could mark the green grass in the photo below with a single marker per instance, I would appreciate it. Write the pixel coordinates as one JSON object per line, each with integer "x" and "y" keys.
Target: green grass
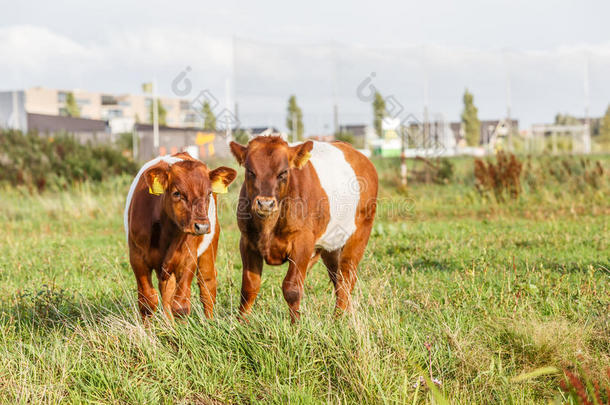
{"x": 494, "y": 290}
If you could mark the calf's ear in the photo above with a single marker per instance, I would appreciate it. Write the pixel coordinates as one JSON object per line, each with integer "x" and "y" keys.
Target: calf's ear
{"x": 157, "y": 180}
{"x": 239, "y": 151}
{"x": 220, "y": 178}
{"x": 301, "y": 154}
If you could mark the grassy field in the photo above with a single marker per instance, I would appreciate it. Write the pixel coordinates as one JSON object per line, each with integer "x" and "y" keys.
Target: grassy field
{"x": 465, "y": 290}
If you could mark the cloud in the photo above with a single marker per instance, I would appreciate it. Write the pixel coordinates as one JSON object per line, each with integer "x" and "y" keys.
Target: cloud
{"x": 119, "y": 61}
{"x": 543, "y": 82}
{"x": 31, "y": 49}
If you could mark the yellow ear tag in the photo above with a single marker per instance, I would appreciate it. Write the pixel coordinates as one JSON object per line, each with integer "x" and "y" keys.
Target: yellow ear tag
{"x": 157, "y": 188}
{"x": 219, "y": 187}
{"x": 304, "y": 160}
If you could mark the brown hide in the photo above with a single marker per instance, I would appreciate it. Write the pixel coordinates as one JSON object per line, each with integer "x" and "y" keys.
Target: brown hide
{"x": 165, "y": 230}
{"x": 283, "y": 211}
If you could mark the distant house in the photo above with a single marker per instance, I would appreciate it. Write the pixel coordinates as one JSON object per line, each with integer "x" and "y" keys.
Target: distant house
{"x": 362, "y": 133}
{"x": 98, "y": 106}
{"x": 257, "y": 131}
{"x": 198, "y": 143}
{"x": 491, "y": 130}
{"x": 261, "y": 131}
{"x": 594, "y": 122}
{"x": 83, "y": 129}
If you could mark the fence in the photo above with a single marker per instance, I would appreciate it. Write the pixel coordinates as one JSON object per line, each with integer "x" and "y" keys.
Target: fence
{"x": 200, "y": 144}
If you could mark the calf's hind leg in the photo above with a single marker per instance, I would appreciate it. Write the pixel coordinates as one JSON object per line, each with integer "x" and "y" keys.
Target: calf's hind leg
{"x": 349, "y": 258}
{"x": 331, "y": 261}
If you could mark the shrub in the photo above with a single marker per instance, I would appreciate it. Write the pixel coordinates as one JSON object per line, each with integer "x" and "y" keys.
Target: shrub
{"x": 33, "y": 161}
{"x": 574, "y": 174}
{"x": 439, "y": 171}
{"x": 240, "y": 136}
{"x": 501, "y": 178}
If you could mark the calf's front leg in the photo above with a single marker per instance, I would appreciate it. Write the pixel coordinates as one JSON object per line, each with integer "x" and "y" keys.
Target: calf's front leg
{"x": 206, "y": 279}
{"x": 252, "y": 263}
{"x": 293, "y": 284}
{"x": 168, "y": 289}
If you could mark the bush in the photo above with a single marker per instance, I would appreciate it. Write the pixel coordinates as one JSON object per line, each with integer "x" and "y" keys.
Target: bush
{"x": 240, "y": 136}
{"x": 574, "y": 174}
{"x": 40, "y": 162}
{"x": 439, "y": 171}
{"x": 502, "y": 178}
{"x": 125, "y": 142}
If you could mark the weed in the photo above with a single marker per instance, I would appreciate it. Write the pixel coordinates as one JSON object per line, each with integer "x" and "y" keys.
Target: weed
{"x": 501, "y": 178}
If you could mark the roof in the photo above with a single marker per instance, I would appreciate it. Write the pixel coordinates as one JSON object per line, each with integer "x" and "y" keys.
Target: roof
{"x": 353, "y": 126}
{"x": 355, "y": 129}
{"x": 57, "y": 123}
{"x": 514, "y": 122}
{"x": 149, "y": 127}
{"x": 259, "y": 130}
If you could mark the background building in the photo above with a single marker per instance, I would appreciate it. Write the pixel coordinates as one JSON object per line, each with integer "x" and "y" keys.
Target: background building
{"x": 97, "y": 106}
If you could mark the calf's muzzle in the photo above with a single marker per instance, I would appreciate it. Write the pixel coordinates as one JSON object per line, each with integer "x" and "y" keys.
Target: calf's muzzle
{"x": 265, "y": 205}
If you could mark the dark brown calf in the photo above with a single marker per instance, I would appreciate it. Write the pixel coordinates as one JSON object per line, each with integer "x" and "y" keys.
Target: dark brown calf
{"x": 172, "y": 227}
{"x": 299, "y": 203}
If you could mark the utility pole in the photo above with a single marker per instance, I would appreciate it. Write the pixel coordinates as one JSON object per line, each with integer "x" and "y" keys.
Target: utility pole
{"x": 509, "y": 123}
{"x": 155, "y": 117}
{"x": 237, "y": 124}
{"x": 334, "y": 87}
{"x": 587, "y": 131}
{"x": 14, "y": 120}
{"x": 403, "y": 157}
{"x": 234, "y": 77}
{"x": 228, "y": 129}
{"x": 426, "y": 118}
{"x": 426, "y": 140}
{"x": 336, "y": 118}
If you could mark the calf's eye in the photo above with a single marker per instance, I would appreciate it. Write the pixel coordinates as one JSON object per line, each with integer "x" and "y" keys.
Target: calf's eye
{"x": 282, "y": 175}
{"x": 176, "y": 194}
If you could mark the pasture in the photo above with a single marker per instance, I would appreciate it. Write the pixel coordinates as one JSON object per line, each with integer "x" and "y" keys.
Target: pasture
{"x": 462, "y": 289}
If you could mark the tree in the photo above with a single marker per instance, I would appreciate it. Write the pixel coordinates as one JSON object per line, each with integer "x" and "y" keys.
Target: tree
{"x": 566, "y": 119}
{"x": 604, "y": 128}
{"x": 72, "y": 109}
{"x": 162, "y": 113}
{"x": 294, "y": 115}
{"x": 209, "y": 119}
{"x": 240, "y": 136}
{"x": 379, "y": 113}
{"x": 470, "y": 120}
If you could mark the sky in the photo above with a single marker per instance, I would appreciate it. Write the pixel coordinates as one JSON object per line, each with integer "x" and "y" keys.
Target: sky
{"x": 534, "y": 56}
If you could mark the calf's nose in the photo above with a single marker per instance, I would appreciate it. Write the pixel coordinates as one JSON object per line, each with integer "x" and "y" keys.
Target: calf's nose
{"x": 202, "y": 227}
{"x": 266, "y": 203}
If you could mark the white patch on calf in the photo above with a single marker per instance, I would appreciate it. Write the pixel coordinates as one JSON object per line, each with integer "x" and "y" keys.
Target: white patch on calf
{"x": 207, "y": 238}
{"x": 170, "y": 160}
{"x": 339, "y": 182}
